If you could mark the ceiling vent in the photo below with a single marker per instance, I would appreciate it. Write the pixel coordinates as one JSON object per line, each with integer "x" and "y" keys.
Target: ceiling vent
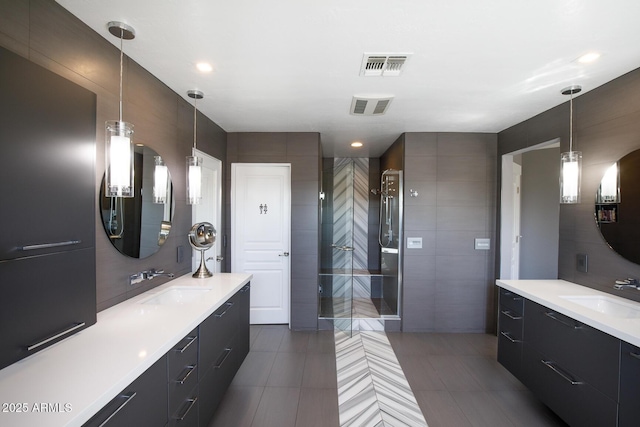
{"x": 370, "y": 106}
{"x": 383, "y": 64}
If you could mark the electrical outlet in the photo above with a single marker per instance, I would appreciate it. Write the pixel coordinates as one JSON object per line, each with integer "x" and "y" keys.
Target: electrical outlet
{"x": 180, "y": 254}
{"x": 582, "y": 263}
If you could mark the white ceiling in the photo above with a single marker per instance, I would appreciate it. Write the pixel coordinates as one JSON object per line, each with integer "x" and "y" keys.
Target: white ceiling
{"x": 293, "y": 65}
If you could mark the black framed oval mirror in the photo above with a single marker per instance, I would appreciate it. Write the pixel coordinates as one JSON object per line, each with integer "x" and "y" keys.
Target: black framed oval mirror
{"x": 617, "y": 208}
{"x": 138, "y": 226}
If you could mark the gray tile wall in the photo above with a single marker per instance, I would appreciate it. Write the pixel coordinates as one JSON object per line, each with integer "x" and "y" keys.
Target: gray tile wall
{"x": 302, "y": 150}
{"x": 606, "y": 127}
{"x": 447, "y": 284}
{"x": 51, "y": 37}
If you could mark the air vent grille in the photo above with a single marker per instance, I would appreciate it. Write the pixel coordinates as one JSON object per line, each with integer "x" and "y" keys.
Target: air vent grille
{"x": 383, "y": 64}
{"x": 370, "y": 106}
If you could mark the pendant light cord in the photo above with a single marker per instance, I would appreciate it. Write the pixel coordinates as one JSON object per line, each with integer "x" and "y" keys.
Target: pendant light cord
{"x": 121, "y": 60}
{"x": 571, "y": 123}
{"x": 195, "y": 118}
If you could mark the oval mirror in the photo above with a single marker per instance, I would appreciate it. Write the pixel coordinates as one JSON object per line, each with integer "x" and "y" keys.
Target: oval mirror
{"x": 138, "y": 226}
{"x": 617, "y": 209}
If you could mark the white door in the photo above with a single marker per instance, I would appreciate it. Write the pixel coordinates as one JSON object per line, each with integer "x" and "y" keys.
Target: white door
{"x": 260, "y": 234}
{"x": 515, "y": 242}
{"x": 209, "y": 210}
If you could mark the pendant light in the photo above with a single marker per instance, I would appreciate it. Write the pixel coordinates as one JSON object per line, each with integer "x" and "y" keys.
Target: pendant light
{"x": 160, "y": 181}
{"x": 194, "y": 163}
{"x": 119, "y": 135}
{"x": 570, "y": 161}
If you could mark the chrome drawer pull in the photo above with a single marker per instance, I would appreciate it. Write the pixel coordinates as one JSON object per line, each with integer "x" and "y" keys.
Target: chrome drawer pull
{"x": 122, "y": 405}
{"x": 634, "y": 355}
{"x": 227, "y": 352}
{"x": 245, "y": 288}
{"x": 191, "y": 341}
{"x": 507, "y": 336}
{"x": 552, "y": 315}
{"x": 58, "y": 335}
{"x": 510, "y": 316}
{"x": 189, "y": 370}
{"x": 566, "y": 377}
{"x": 49, "y": 245}
{"x": 193, "y": 402}
{"x": 229, "y": 305}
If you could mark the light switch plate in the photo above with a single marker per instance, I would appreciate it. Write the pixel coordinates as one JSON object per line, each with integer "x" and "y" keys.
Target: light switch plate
{"x": 482, "y": 244}
{"x": 582, "y": 262}
{"x": 414, "y": 242}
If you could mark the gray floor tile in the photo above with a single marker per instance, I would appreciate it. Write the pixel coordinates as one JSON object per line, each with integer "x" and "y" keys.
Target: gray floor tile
{"x": 269, "y": 338}
{"x": 287, "y": 370}
{"x": 255, "y": 369}
{"x": 524, "y": 410}
{"x": 321, "y": 342}
{"x": 320, "y": 371}
{"x": 481, "y": 409}
{"x": 278, "y": 407}
{"x": 318, "y": 407}
{"x": 295, "y": 342}
{"x": 238, "y": 407}
{"x": 490, "y": 374}
{"x": 440, "y": 409}
{"x": 420, "y": 374}
{"x": 453, "y": 374}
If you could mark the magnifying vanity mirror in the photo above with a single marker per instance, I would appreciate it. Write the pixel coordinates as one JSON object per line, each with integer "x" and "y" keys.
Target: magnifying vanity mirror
{"x": 617, "y": 208}
{"x": 138, "y": 226}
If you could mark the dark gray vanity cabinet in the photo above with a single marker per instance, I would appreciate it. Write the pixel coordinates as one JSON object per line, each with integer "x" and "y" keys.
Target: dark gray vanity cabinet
{"x": 572, "y": 367}
{"x": 224, "y": 344}
{"x": 629, "y": 409}
{"x": 142, "y": 404}
{"x": 510, "y": 325}
{"x": 47, "y": 236}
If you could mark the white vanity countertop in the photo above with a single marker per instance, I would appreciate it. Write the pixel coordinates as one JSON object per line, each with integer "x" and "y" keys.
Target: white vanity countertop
{"x": 549, "y": 292}
{"x": 84, "y": 372}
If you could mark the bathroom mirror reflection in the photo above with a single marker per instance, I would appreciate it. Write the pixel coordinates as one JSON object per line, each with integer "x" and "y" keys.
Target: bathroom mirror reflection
{"x": 617, "y": 208}
{"x": 138, "y": 226}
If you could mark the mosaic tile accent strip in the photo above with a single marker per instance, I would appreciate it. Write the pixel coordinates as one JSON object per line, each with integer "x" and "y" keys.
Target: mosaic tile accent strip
{"x": 372, "y": 388}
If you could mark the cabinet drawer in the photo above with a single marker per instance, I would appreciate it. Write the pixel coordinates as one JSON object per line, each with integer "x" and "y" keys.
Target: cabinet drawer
{"x": 186, "y": 414}
{"x": 510, "y": 323}
{"x": 629, "y": 385}
{"x": 214, "y": 383}
{"x": 511, "y": 301}
{"x": 183, "y": 370}
{"x": 568, "y": 395}
{"x": 142, "y": 404}
{"x": 588, "y": 352}
{"x": 216, "y": 334}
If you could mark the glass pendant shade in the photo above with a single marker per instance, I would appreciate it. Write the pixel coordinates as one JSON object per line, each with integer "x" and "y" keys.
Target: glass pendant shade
{"x": 609, "y": 190}
{"x": 570, "y": 171}
{"x": 119, "y": 157}
{"x": 194, "y": 180}
{"x": 160, "y": 181}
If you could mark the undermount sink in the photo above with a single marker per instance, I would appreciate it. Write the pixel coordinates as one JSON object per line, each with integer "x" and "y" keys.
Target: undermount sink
{"x": 605, "y": 305}
{"x": 176, "y": 296}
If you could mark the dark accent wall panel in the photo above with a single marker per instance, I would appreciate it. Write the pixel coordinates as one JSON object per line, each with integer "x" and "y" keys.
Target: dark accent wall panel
{"x": 607, "y": 127}
{"x": 447, "y": 285}
{"x": 48, "y": 35}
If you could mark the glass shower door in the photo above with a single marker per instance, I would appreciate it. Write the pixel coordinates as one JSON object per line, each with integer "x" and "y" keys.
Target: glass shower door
{"x": 336, "y": 278}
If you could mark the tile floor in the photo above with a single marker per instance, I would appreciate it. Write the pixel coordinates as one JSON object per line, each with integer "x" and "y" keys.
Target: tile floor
{"x": 289, "y": 379}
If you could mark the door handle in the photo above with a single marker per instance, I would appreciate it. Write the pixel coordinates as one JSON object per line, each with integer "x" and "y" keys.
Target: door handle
{"x": 219, "y": 258}
{"x": 284, "y": 254}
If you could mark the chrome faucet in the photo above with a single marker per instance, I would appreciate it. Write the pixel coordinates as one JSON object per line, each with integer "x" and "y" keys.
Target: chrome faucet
{"x": 147, "y": 275}
{"x": 627, "y": 283}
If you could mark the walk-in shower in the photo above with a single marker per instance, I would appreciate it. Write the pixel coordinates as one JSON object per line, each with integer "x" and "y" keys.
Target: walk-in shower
{"x": 360, "y": 275}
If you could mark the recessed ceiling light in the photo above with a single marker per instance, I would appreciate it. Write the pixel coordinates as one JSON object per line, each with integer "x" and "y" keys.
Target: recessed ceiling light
{"x": 204, "y": 67}
{"x": 356, "y": 144}
{"x": 588, "y": 57}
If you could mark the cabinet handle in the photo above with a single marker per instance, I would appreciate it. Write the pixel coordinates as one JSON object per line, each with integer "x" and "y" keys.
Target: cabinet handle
{"x": 552, "y": 315}
{"x": 49, "y": 245}
{"x": 229, "y": 305}
{"x": 191, "y": 341}
{"x": 551, "y": 365}
{"x": 245, "y": 288}
{"x": 189, "y": 370}
{"x": 227, "y": 352}
{"x": 634, "y": 355}
{"x": 55, "y": 336}
{"x": 510, "y": 316}
{"x": 507, "y": 336}
{"x": 186, "y": 412}
{"x": 128, "y": 398}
